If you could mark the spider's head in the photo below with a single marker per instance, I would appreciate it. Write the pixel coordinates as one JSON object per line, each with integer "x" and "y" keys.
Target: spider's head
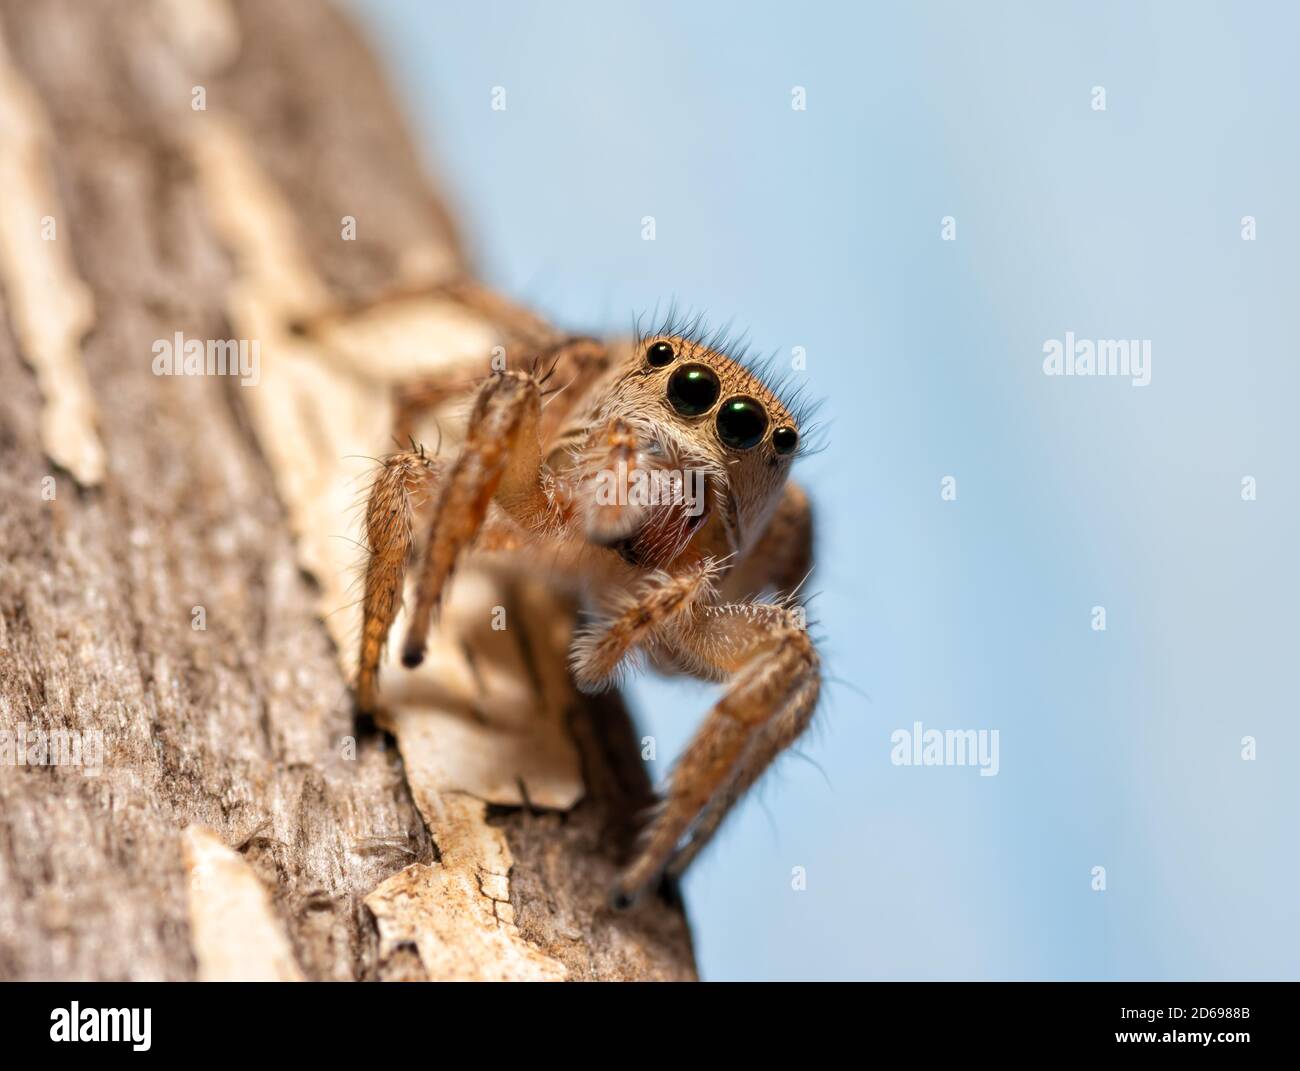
{"x": 693, "y": 408}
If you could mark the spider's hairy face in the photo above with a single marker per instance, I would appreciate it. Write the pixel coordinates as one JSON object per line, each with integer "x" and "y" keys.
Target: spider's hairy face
{"x": 682, "y": 410}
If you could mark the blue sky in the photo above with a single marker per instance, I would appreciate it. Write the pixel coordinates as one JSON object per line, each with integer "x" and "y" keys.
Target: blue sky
{"x": 821, "y": 229}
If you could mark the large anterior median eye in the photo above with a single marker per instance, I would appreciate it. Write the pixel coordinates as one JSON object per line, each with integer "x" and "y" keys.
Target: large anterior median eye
{"x": 693, "y": 389}
{"x": 741, "y": 422}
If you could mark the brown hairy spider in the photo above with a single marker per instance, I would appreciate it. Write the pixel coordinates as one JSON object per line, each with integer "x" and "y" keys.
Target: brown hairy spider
{"x": 675, "y": 577}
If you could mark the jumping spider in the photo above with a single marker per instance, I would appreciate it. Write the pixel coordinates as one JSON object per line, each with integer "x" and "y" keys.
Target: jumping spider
{"x": 677, "y": 581}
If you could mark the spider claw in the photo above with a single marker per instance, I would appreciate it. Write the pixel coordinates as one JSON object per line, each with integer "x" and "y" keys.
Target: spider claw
{"x": 625, "y": 895}
{"x": 620, "y": 899}
{"x": 680, "y": 860}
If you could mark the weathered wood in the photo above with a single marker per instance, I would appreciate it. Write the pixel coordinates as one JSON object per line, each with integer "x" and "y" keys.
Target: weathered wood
{"x": 242, "y": 728}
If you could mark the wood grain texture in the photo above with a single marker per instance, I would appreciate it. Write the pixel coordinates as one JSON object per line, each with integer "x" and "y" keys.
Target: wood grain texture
{"x": 238, "y": 728}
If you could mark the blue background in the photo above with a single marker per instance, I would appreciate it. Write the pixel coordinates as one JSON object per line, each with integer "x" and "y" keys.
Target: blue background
{"x": 821, "y": 229}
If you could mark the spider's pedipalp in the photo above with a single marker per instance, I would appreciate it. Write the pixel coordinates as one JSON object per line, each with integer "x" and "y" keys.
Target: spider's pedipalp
{"x": 611, "y": 517}
{"x": 599, "y": 650}
{"x": 501, "y": 457}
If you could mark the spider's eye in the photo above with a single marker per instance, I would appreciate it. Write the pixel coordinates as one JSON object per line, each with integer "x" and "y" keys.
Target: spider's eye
{"x": 785, "y": 439}
{"x": 660, "y": 354}
{"x": 741, "y": 422}
{"x": 693, "y": 389}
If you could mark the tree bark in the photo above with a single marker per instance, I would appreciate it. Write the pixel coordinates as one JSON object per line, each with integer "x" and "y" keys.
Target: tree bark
{"x": 175, "y": 550}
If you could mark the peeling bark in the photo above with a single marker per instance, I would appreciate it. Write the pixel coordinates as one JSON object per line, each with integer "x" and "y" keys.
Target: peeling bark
{"x": 50, "y": 305}
{"x": 242, "y": 824}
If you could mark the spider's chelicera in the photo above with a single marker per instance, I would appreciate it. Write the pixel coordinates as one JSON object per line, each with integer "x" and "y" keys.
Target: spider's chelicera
{"x": 654, "y": 484}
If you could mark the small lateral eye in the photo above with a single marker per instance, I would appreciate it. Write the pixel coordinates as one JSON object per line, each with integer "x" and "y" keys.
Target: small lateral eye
{"x": 693, "y": 389}
{"x": 660, "y": 354}
{"x": 785, "y": 439}
{"x": 742, "y": 422}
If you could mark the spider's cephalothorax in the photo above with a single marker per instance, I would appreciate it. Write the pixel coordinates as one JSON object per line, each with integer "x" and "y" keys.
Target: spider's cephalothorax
{"x": 656, "y": 485}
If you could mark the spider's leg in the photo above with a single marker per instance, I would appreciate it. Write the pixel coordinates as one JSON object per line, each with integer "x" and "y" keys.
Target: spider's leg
{"x": 785, "y": 727}
{"x": 501, "y": 459}
{"x": 567, "y": 372}
{"x": 516, "y": 322}
{"x": 775, "y": 680}
{"x": 565, "y": 368}
{"x": 390, "y": 517}
{"x": 520, "y": 323}
{"x": 413, "y": 399}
